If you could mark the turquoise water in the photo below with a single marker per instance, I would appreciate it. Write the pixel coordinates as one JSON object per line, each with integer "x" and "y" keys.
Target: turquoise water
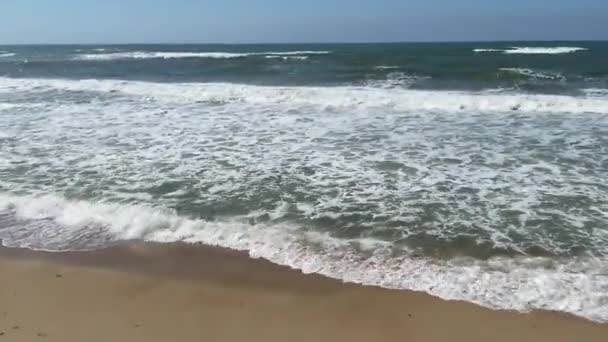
{"x": 469, "y": 171}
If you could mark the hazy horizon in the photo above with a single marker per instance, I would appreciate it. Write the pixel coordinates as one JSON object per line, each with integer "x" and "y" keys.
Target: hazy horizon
{"x": 312, "y": 42}
{"x": 276, "y": 22}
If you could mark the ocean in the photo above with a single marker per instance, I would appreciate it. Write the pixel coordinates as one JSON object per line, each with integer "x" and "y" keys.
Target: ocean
{"x": 470, "y": 171}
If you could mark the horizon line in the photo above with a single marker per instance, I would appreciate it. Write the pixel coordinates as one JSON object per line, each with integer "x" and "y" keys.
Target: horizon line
{"x": 317, "y": 43}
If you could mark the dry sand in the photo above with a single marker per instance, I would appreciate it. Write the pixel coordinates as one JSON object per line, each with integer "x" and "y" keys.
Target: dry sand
{"x": 148, "y": 292}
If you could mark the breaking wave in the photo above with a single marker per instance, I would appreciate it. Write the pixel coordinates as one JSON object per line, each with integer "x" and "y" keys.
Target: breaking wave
{"x": 578, "y": 286}
{"x": 177, "y": 55}
{"x": 535, "y": 50}
{"x": 342, "y": 98}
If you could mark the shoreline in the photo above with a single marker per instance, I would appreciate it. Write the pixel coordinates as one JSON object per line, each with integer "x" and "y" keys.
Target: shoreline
{"x": 151, "y": 292}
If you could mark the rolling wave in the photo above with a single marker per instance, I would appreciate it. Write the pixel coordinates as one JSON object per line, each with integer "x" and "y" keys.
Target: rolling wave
{"x": 386, "y": 67}
{"x": 534, "y": 50}
{"x": 455, "y": 193}
{"x": 487, "y": 50}
{"x": 178, "y": 55}
{"x": 339, "y": 98}
{"x": 285, "y": 58}
{"x": 544, "y": 50}
{"x": 577, "y": 286}
{"x": 533, "y": 74}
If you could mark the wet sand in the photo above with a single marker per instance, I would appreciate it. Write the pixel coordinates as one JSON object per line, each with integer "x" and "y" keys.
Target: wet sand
{"x": 149, "y": 292}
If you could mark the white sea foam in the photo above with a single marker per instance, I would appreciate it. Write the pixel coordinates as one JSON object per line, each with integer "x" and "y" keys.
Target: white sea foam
{"x": 292, "y": 53}
{"x": 543, "y": 50}
{"x": 159, "y": 55}
{"x": 177, "y": 55}
{"x": 499, "y": 169}
{"x": 487, "y": 50}
{"x": 4, "y": 54}
{"x": 347, "y": 98}
{"x": 285, "y": 58}
{"x": 4, "y": 106}
{"x": 596, "y": 92}
{"x": 533, "y": 74}
{"x": 526, "y": 50}
{"x": 386, "y": 67}
{"x": 578, "y": 286}
{"x": 396, "y": 79}
{"x": 95, "y": 50}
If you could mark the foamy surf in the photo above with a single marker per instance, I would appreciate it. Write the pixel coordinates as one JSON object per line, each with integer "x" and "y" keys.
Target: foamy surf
{"x": 348, "y": 98}
{"x": 487, "y": 50}
{"x": 178, "y": 55}
{"x": 526, "y": 50}
{"x": 544, "y": 50}
{"x": 532, "y": 74}
{"x": 446, "y": 175}
{"x": 578, "y": 286}
{"x": 386, "y": 67}
{"x": 285, "y": 58}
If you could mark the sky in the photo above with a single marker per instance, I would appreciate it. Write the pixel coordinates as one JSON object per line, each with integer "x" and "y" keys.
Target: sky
{"x": 276, "y": 21}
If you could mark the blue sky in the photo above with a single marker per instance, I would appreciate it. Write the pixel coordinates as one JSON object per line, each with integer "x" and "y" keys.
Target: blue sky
{"x": 250, "y": 21}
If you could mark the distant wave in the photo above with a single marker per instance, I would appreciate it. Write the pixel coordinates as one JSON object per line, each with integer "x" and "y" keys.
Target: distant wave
{"x": 534, "y": 50}
{"x": 396, "y": 79}
{"x": 487, "y": 50}
{"x": 533, "y": 74}
{"x": 596, "y": 92}
{"x": 386, "y": 67}
{"x": 95, "y": 50}
{"x": 4, "y": 54}
{"x": 543, "y": 50}
{"x": 301, "y": 58}
{"x": 176, "y": 55}
{"x": 292, "y": 53}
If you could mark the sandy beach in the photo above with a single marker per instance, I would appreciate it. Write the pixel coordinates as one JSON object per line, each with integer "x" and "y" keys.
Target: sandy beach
{"x": 148, "y": 292}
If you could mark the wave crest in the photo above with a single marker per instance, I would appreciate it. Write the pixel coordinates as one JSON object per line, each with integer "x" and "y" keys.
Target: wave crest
{"x": 343, "y": 98}
{"x": 179, "y": 55}
{"x": 575, "y": 286}
{"x": 533, "y": 74}
{"x": 526, "y": 50}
